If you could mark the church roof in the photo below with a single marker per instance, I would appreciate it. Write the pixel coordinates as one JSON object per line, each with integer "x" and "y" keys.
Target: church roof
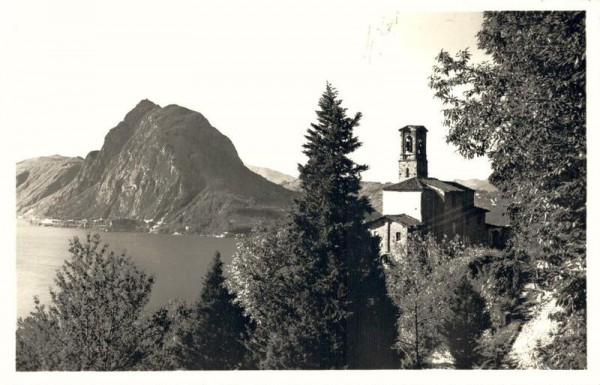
{"x": 445, "y": 186}
{"x": 419, "y": 184}
{"x": 412, "y": 184}
{"x": 403, "y": 219}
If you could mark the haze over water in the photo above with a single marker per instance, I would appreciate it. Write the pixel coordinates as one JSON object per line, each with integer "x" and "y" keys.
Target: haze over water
{"x": 178, "y": 263}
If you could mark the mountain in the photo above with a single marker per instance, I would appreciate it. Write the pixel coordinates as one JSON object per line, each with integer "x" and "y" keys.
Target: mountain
{"x": 166, "y": 167}
{"x": 496, "y": 204}
{"x": 41, "y": 177}
{"x": 285, "y": 180}
{"x": 372, "y": 190}
{"x": 478, "y": 184}
{"x": 488, "y": 197}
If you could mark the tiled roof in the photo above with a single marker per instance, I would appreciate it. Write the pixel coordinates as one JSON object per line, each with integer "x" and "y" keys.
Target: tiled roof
{"x": 443, "y": 185}
{"x": 460, "y": 186}
{"x": 419, "y": 184}
{"x": 404, "y": 219}
{"x": 412, "y": 184}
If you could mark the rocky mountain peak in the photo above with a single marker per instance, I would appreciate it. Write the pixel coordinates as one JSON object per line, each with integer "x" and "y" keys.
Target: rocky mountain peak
{"x": 167, "y": 165}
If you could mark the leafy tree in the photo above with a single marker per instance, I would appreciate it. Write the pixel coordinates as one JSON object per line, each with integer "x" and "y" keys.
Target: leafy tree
{"x": 220, "y": 327}
{"x": 319, "y": 279}
{"x": 466, "y": 321}
{"x": 263, "y": 277}
{"x": 419, "y": 285}
{"x": 38, "y": 346}
{"x": 166, "y": 335}
{"x": 526, "y": 110}
{"x": 95, "y": 317}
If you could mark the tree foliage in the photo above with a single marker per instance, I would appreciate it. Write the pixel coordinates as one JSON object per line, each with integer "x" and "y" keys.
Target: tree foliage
{"x": 219, "y": 330}
{"x": 420, "y": 284}
{"x": 310, "y": 287}
{"x": 94, "y": 321}
{"x": 265, "y": 277}
{"x": 525, "y": 109}
{"x": 464, "y": 325}
{"x": 38, "y": 344}
{"x": 166, "y": 337}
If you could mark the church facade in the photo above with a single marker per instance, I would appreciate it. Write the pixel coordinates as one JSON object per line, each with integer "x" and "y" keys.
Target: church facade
{"x": 429, "y": 205}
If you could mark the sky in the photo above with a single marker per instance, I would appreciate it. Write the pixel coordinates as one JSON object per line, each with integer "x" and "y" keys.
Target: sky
{"x": 255, "y": 70}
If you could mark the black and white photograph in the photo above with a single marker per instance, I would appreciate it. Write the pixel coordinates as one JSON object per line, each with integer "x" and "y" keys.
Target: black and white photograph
{"x": 250, "y": 192}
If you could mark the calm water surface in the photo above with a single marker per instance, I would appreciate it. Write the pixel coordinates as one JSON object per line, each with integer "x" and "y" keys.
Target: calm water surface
{"x": 177, "y": 262}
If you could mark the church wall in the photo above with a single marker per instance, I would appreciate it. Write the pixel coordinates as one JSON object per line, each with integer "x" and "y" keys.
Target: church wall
{"x": 446, "y": 215}
{"x": 381, "y": 230}
{"x": 393, "y": 238}
{"x": 398, "y": 240}
{"x": 433, "y": 206}
{"x": 402, "y": 202}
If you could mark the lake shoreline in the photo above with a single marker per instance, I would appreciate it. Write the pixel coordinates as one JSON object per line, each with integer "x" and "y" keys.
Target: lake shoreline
{"x": 120, "y": 225}
{"x": 178, "y": 263}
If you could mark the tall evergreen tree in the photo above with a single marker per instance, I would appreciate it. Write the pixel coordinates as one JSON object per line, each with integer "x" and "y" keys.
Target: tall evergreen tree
{"x": 217, "y": 339}
{"x": 325, "y": 303}
{"x": 327, "y": 220}
{"x": 343, "y": 274}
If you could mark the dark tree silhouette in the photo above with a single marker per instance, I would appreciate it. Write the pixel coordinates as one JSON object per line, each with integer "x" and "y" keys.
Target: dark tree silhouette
{"x": 220, "y": 327}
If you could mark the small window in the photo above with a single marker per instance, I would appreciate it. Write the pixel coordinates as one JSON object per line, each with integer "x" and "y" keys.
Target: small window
{"x": 398, "y": 237}
{"x": 407, "y": 172}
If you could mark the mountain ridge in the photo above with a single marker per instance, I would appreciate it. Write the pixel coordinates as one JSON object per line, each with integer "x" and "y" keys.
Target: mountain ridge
{"x": 487, "y": 196}
{"x": 170, "y": 166}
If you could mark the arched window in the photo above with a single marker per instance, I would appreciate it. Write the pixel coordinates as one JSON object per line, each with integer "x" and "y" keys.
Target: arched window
{"x": 407, "y": 172}
{"x": 408, "y": 144}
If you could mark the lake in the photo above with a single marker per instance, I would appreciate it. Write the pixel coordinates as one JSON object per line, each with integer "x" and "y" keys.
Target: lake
{"x": 178, "y": 262}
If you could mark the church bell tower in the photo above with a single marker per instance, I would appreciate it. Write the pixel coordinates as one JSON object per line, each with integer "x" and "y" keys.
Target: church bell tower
{"x": 413, "y": 153}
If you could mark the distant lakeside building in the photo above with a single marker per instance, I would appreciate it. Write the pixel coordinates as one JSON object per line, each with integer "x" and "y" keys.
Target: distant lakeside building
{"x": 429, "y": 205}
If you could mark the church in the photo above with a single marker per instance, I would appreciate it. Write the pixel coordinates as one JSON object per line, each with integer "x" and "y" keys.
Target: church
{"x": 420, "y": 203}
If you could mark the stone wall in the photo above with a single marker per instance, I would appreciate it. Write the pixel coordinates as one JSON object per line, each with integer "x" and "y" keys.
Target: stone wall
{"x": 393, "y": 238}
